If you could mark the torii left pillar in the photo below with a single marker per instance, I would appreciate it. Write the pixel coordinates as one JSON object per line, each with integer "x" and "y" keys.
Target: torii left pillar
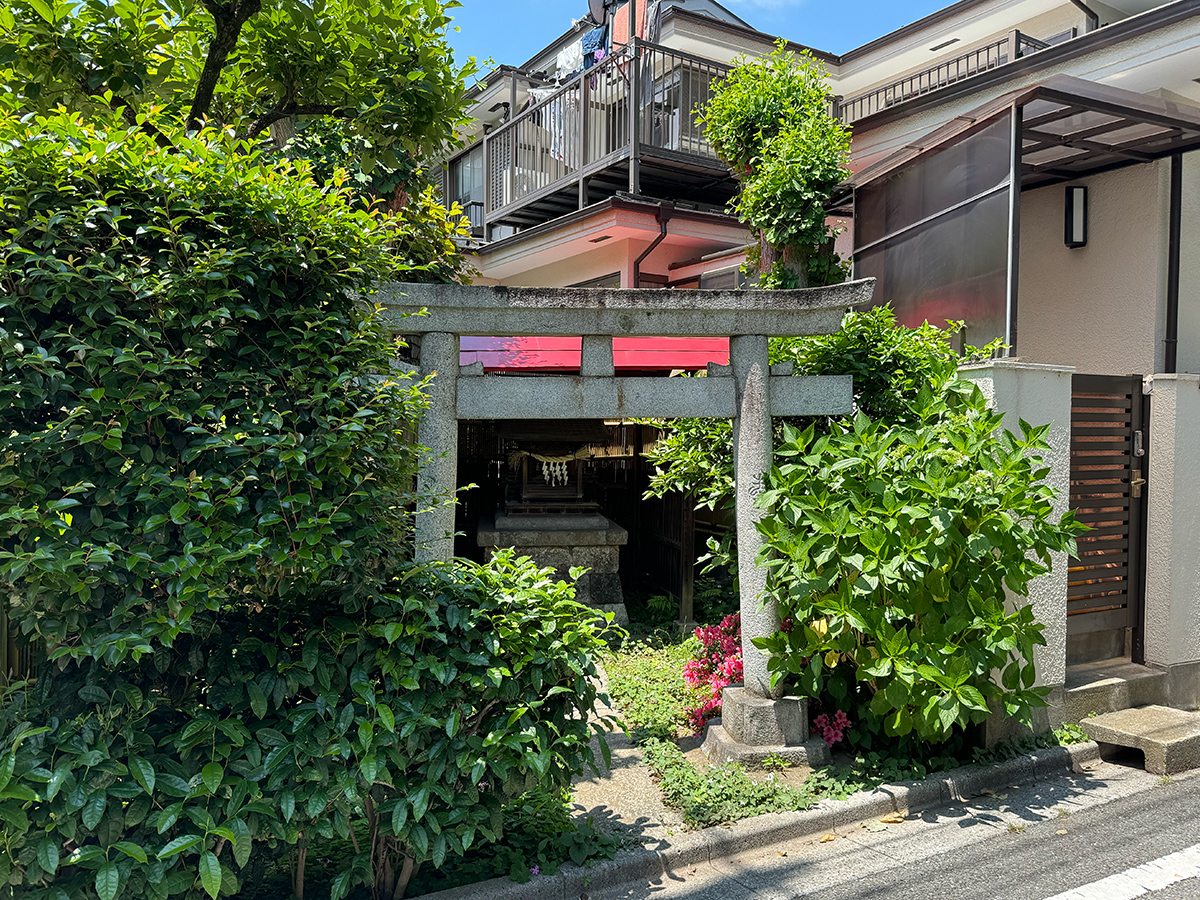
{"x": 438, "y": 433}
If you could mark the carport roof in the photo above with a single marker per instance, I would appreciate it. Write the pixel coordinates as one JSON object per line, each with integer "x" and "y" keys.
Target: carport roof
{"x": 1070, "y": 127}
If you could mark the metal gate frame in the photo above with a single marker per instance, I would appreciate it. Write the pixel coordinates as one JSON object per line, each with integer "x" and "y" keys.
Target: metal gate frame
{"x": 1109, "y": 447}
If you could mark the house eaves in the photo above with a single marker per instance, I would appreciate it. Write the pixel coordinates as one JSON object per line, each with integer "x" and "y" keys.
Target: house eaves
{"x": 1175, "y": 127}
{"x": 1107, "y": 36}
{"x": 612, "y": 204}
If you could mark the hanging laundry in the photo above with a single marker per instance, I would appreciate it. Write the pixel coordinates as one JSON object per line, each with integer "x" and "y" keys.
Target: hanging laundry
{"x": 594, "y": 40}
{"x": 598, "y": 57}
{"x": 553, "y": 116}
{"x": 653, "y": 21}
{"x": 570, "y": 59}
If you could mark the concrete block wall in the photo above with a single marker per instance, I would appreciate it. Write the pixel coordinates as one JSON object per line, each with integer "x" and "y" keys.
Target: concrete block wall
{"x": 1040, "y": 395}
{"x": 1172, "y": 599}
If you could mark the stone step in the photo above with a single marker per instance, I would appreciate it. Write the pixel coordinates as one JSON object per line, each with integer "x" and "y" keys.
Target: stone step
{"x": 1169, "y": 738}
{"x": 1109, "y": 685}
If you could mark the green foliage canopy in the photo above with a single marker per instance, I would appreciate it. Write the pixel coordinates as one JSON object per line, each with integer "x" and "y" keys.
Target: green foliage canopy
{"x": 769, "y": 119}
{"x": 384, "y": 68}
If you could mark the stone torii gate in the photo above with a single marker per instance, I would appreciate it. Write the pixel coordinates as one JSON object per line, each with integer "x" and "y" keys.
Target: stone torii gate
{"x": 756, "y": 720}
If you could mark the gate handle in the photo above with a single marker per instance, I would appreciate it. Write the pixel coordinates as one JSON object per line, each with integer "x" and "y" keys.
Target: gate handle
{"x": 1135, "y": 484}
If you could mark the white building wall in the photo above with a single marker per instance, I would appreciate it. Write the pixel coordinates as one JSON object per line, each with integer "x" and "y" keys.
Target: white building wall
{"x": 1172, "y": 547}
{"x": 1188, "y": 348}
{"x": 1098, "y": 308}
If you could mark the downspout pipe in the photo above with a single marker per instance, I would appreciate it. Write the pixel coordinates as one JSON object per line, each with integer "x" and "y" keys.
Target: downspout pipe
{"x": 663, "y": 215}
{"x": 1093, "y": 19}
{"x": 1174, "y": 235}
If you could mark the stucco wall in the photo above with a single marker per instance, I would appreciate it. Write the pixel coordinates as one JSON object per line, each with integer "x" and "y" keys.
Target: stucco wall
{"x": 1173, "y": 522}
{"x": 1188, "y": 348}
{"x": 1099, "y": 308}
{"x": 1040, "y": 395}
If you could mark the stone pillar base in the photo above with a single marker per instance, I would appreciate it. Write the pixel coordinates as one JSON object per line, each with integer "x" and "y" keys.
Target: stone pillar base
{"x": 752, "y": 728}
{"x": 720, "y": 748}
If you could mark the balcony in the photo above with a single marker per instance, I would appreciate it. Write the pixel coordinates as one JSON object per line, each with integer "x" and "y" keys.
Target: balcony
{"x": 573, "y": 147}
{"x": 952, "y": 71}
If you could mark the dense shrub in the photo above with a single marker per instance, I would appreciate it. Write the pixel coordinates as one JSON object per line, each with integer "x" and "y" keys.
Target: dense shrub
{"x": 204, "y": 523}
{"x": 890, "y": 364}
{"x": 894, "y": 554}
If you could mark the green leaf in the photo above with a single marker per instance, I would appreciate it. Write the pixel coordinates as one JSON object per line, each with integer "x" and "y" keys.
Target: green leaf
{"x": 143, "y": 773}
{"x": 47, "y": 855}
{"x": 287, "y": 804}
{"x": 212, "y": 775}
{"x": 108, "y": 880}
{"x": 340, "y": 886}
{"x": 93, "y": 810}
{"x": 210, "y": 874}
{"x": 133, "y": 851}
{"x": 179, "y": 844}
{"x": 258, "y": 700}
{"x": 242, "y": 843}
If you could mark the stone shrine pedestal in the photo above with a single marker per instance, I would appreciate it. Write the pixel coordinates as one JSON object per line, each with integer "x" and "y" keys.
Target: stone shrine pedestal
{"x": 563, "y": 541}
{"x": 752, "y": 728}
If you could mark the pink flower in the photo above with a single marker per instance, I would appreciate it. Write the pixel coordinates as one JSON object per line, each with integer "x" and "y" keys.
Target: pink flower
{"x": 831, "y": 732}
{"x": 718, "y": 665}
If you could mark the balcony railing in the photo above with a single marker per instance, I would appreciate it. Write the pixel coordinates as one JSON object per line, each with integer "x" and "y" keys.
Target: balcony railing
{"x": 943, "y": 74}
{"x": 585, "y": 126}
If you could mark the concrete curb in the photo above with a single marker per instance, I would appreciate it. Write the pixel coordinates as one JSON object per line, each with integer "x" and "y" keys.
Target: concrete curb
{"x": 695, "y": 847}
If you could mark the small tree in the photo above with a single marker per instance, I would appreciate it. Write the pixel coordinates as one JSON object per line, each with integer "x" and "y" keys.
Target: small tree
{"x": 769, "y": 119}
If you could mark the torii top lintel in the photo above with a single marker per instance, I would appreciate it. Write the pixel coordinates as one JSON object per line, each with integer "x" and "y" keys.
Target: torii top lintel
{"x": 516, "y": 311}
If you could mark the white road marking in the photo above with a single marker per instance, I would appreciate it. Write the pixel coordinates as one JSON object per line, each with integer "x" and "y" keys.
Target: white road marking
{"x": 1140, "y": 880}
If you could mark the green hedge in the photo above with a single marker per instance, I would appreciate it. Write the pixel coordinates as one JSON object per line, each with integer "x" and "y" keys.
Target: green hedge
{"x": 204, "y": 511}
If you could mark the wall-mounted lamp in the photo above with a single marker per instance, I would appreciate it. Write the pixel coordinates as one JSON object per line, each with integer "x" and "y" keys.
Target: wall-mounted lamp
{"x": 1076, "y": 217}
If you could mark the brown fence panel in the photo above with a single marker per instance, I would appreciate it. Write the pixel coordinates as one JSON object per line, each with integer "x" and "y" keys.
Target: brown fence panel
{"x": 1108, "y": 464}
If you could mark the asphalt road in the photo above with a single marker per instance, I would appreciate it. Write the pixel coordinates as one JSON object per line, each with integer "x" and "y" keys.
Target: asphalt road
{"x": 1034, "y": 843}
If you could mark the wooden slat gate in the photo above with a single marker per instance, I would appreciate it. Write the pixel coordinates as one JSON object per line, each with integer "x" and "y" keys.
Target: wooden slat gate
{"x": 1108, "y": 465}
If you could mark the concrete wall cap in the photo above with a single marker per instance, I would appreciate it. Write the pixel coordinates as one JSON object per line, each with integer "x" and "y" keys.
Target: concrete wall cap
{"x": 1017, "y": 364}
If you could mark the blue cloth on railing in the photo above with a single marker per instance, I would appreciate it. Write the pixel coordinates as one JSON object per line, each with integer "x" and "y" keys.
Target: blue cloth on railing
{"x": 594, "y": 40}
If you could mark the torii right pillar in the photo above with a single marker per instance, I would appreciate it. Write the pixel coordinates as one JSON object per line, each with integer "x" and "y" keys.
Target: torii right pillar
{"x": 757, "y": 721}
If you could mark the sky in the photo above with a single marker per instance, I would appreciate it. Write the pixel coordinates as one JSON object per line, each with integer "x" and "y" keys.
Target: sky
{"x": 511, "y": 31}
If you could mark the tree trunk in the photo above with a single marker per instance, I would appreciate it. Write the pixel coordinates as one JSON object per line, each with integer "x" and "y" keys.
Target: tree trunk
{"x": 282, "y": 131}
{"x": 228, "y": 20}
{"x": 792, "y": 259}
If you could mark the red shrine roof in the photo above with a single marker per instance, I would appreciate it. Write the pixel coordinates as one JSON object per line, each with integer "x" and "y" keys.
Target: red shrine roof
{"x": 561, "y": 354}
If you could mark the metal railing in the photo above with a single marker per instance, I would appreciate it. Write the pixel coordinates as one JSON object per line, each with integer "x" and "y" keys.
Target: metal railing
{"x": 587, "y": 122}
{"x": 960, "y": 68}
{"x": 473, "y": 213}
{"x": 677, "y": 85}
